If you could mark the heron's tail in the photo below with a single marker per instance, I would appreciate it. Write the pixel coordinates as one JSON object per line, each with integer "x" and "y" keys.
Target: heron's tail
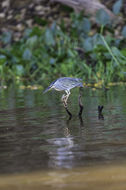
{"x": 46, "y": 90}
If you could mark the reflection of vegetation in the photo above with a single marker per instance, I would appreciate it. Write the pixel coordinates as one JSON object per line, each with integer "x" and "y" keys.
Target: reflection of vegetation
{"x": 47, "y": 53}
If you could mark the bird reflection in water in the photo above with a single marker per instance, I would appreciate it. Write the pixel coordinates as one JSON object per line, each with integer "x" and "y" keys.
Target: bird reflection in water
{"x": 80, "y": 119}
{"x": 62, "y": 155}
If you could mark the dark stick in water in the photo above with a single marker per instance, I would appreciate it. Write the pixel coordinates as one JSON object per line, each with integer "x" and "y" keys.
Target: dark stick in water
{"x": 100, "y": 115}
{"x": 70, "y": 115}
{"x": 80, "y": 103}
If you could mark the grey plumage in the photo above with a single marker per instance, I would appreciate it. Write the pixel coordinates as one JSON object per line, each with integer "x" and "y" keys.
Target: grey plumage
{"x": 64, "y": 83}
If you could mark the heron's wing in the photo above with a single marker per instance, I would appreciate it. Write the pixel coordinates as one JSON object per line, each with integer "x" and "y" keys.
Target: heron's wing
{"x": 68, "y": 83}
{"x": 69, "y": 79}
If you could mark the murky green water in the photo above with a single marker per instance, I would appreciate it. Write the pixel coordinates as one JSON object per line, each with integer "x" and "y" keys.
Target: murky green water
{"x": 37, "y": 135}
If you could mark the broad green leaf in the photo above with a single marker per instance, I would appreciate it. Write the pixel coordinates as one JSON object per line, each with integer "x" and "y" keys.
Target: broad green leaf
{"x": 2, "y": 57}
{"x": 27, "y": 55}
{"x": 124, "y": 31}
{"x": 15, "y": 59}
{"x": 27, "y": 32}
{"x": 124, "y": 73}
{"x": 32, "y": 41}
{"x": 118, "y": 54}
{"x": 124, "y": 52}
{"x": 86, "y": 25}
{"x": 53, "y": 28}
{"x": 19, "y": 69}
{"x": 49, "y": 38}
{"x": 97, "y": 40}
{"x": 6, "y": 37}
{"x": 87, "y": 45}
{"x": 102, "y": 17}
{"x": 117, "y": 7}
{"x": 52, "y": 61}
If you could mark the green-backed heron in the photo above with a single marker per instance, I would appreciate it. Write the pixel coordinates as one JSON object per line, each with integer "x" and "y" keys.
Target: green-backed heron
{"x": 65, "y": 84}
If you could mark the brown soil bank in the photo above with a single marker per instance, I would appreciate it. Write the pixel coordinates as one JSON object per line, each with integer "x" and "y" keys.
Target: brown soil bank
{"x": 17, "y": 15}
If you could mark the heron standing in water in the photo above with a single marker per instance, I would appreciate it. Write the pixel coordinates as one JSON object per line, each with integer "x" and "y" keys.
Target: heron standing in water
{"x": 66, "y": 84}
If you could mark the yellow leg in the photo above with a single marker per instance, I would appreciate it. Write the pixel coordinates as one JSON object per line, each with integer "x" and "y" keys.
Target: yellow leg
{"x": 65, "y": 98}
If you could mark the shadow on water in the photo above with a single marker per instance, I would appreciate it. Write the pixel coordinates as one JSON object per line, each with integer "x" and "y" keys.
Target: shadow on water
{"x": 37, "y": 134}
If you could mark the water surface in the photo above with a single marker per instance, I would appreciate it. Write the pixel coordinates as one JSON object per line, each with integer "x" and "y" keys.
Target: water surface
{"x": 37, "y": 135}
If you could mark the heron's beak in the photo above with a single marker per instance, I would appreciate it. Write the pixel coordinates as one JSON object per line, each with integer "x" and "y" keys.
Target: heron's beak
{"x": 46, "y": 90}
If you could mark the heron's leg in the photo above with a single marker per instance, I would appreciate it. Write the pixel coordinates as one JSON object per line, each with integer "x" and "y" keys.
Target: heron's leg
{"x": 67, "y": 96}
{"x": 63, "y": 97}
{"x": 64, "y": 100}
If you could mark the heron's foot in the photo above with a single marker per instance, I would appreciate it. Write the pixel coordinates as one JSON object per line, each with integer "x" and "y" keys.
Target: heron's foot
{"x": 65, "y": 103}
{"x": 63, "y": 98}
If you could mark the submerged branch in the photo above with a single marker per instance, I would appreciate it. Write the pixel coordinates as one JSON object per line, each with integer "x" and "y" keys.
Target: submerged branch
{"x": 80, "y": 103}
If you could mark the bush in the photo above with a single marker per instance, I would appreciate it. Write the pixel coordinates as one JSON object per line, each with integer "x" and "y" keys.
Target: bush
{"x": 47, "y": 53}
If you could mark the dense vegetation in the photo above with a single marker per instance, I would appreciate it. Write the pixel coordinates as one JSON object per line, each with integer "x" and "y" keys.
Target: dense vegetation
{"x": 91, "y": 52}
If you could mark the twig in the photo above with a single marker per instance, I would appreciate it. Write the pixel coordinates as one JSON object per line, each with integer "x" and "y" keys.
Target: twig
{"x": 80, "y": 103}
{"x": 68, "y": 112}
{"x": 100, "y": 115}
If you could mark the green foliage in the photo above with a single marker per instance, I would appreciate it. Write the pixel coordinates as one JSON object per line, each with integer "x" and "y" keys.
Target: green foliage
{"x": 117, "y": 6}
{"x": 6, "y": 37}
{"x": 124, "y": 32}
{"x": 102, "y": 17}
{"x": 47, "y": 53}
